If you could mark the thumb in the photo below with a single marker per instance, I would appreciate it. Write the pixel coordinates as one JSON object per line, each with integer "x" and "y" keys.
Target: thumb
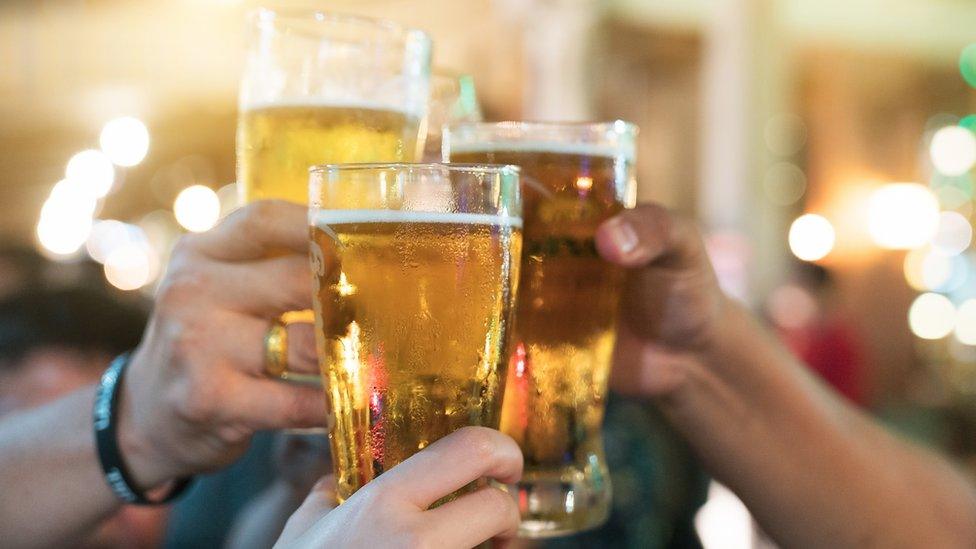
{"x": 672, "y": 296}
{"x": 650, "y": 234}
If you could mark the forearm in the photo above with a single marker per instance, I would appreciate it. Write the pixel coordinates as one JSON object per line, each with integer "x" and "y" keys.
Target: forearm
{"x": 53, "y": 492}
{"x": 813, "y": 470}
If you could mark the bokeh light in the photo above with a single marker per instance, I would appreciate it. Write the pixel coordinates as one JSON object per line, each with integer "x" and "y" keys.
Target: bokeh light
{"x": 129, "y": 267}
{"x": 966, "y": 322}
{"x": 902, "y": 216}
{"x": 66, "y": 218}
{"x": 811, "y": 237}
{"x": 926, "y": 270}
{"x": 63, "y": 235}
{"x": 953, "y": 150}
{"x": 954, "y": 234}
{"x": 785, "y": 134}
{"x": 125, "y": 141}
{"x": 784, "y": 183}
{"x": 109, "y": 235}
{"x": 72, "y": 194}
{"x": 93, "y": 169}
{"x": 967, "y": 64}
{"x": 959, "y": 269}
{"x": 197, "y": 208}
{"x": 932, "y": 316}
{"x": 968, "y": 122}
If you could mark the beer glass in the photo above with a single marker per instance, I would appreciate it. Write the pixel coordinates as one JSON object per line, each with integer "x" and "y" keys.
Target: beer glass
{"x": 415, "y": 270}
{"x": 574, "y": 176}
{"x": 452, "y": 100}
{"x": 322, "y": 88}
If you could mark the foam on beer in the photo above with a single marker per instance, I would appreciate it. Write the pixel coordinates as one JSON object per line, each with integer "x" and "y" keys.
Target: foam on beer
{"x": 320, "y": 103}
{"x": 584, "y": 149}
{"x": 337, "y": 217}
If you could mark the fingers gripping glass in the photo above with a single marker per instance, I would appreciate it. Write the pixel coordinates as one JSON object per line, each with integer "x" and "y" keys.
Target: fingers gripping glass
{"x": 415, "y": 270}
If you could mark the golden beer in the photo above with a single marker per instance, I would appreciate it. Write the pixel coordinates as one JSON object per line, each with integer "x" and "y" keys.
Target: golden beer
{"x": 277, "y": 144}
{"x": 413, "y": 311}
{"x": 565, "y": 327}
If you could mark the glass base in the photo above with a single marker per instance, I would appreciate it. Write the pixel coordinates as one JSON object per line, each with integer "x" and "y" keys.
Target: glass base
{"x": 559, "y": 504}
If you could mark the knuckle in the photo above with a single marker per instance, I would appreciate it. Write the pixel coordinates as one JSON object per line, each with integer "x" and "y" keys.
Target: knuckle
{"x": 254, "y": 216}
{"x": 195, "y": 395}
{"x": 181, "y": 287}
{"x": 499, "y": 500}
{"x": 381, "y": 494}
{"x": 479, "y": 441}
{"x": 188, "y": 339}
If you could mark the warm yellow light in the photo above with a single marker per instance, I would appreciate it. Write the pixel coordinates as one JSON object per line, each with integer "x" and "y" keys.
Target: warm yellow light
{"x": 953, "y": 150}
{"x": 811, "y": 237}
{"x": 344, "y": 288}
{"x": 197, "y": 208}
{"x": 129, "y": 267}
{"x": 125, "y": 141}
{"x": 92, "y": 169}
{"x": 74, "y": 195}
{"x": 932, "y": 316}
{"x": 966, "y": 322}
{"x": 584, "y": 183}
{"x": 902, "y": 216}
{"x": 63, "y": 236}
{"x": 66, "y": 218}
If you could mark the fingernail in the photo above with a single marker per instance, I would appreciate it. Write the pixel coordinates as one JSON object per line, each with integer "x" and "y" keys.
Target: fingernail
{"x": 623, "y": 236}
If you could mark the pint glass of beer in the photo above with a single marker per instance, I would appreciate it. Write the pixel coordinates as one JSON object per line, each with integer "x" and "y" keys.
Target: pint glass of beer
{"x": 574, "y": 176}
{"x": 322, "y": 88}
{"x": 415, "y": 268}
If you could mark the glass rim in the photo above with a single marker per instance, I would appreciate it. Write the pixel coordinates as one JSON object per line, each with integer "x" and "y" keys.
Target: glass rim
{"x": 466, "y": 167}
{"x": 306, "y": 14}
{"x": 617, "y": 126}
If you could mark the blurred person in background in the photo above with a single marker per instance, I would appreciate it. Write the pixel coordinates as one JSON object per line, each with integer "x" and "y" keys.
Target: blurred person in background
{"x": 814, "y": 327}
{"x": 54, "y": 341}
{"x": 19, "y": 267}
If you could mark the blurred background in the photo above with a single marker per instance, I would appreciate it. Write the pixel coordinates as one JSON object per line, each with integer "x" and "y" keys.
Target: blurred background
{"x": 826, "y": 147}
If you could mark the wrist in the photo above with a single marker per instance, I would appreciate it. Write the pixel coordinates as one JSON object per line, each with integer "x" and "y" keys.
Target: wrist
{"x": 141, "y": 456}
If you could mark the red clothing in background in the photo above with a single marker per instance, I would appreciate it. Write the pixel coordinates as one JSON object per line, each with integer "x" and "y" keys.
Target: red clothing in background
{"x": 832, "y": 348}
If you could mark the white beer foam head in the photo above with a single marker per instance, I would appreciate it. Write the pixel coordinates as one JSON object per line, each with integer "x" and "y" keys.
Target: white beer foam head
{"x": 335, "y": 217}
{"x": 312, "y": 103}
{"x": 587, "y": 149}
